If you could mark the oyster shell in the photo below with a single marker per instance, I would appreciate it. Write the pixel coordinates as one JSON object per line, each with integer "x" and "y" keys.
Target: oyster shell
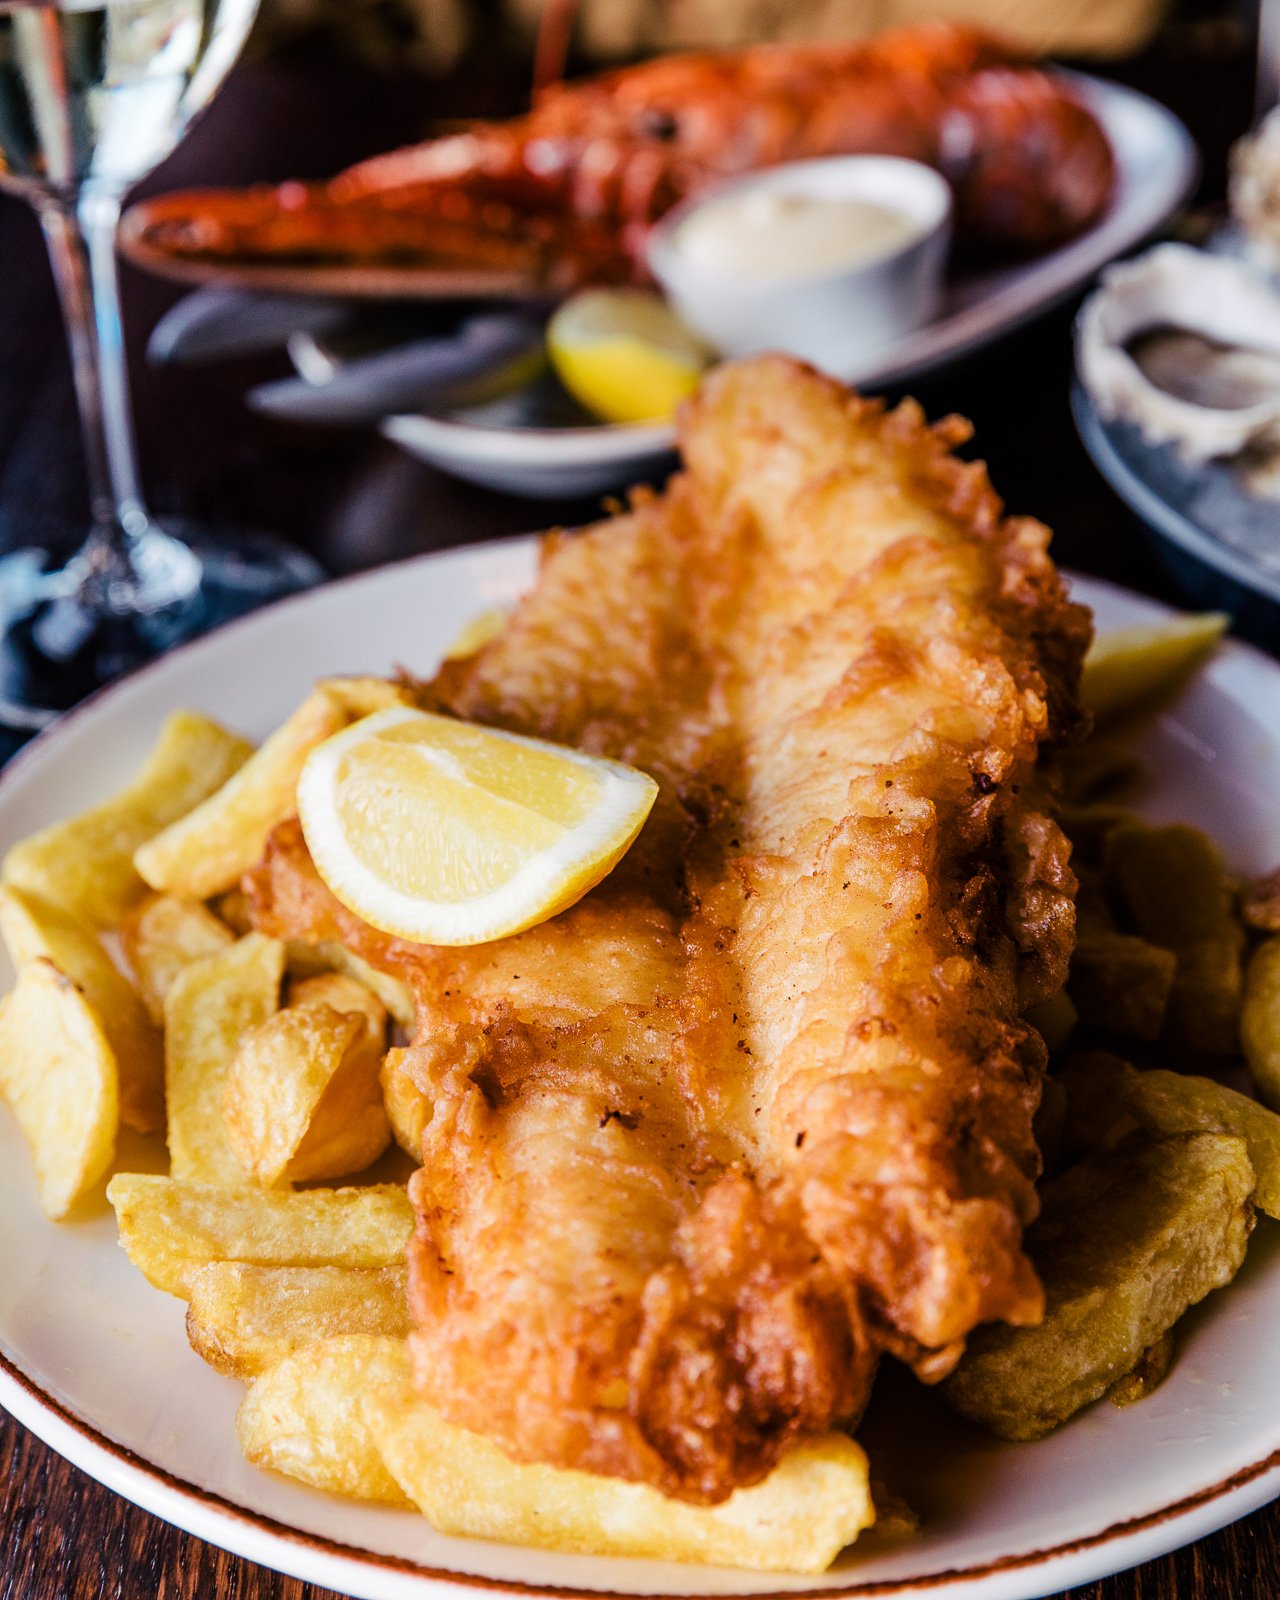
{"x": 1254, "y": 190}
{"x": 1187, "y": 346}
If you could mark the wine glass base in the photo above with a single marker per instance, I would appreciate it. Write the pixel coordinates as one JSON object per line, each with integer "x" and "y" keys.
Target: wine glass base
{"x": 64, "y": 632}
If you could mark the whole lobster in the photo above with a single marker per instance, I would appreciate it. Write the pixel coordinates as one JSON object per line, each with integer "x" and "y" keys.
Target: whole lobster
{"x": 565, "y": 195}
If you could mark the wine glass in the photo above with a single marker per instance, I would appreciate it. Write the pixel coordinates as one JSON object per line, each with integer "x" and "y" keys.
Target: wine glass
{"x": 93, "y": 94}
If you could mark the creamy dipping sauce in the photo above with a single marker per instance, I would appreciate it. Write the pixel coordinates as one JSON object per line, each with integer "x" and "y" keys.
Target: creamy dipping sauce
{"x": 765, "y": 236}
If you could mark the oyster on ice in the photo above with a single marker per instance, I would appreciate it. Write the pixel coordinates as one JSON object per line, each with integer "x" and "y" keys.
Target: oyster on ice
{"x": 1186, "y": 345}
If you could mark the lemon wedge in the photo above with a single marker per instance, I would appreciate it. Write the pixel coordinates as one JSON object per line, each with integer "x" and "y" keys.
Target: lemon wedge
{"x": 483, "y": 628}
{"x": 624, "y": 354}
{"x": 446, "y": 832}
{"x": 1133, "y": 665}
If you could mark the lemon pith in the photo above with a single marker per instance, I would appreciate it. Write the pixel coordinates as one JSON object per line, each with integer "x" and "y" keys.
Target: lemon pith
{"x": 447, "y": 832}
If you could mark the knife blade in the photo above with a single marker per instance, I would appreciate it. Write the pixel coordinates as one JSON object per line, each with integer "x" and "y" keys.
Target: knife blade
{"x": 487, "y": 356}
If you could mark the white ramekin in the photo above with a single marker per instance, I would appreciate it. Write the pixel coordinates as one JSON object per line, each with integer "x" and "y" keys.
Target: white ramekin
{"x": 833, "y": 319}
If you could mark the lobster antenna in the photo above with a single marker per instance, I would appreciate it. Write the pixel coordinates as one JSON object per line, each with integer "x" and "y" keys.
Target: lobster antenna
{"x": 551, "y": 48}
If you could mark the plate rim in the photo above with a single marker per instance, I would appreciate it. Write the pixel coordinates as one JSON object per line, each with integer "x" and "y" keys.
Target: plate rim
{"x": 1152, "y": 508}
{"x": 158, "y": 1482}
{"x": 257, "y": 1536}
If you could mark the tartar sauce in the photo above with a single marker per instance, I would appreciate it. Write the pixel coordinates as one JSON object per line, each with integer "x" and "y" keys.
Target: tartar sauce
{"x": 771, "y": 236}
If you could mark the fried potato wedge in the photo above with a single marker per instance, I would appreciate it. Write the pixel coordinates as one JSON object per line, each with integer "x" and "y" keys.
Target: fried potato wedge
{"x": 814, "y": 1503}
{"x": 302, "y": 1097}
{"x": 170, "y": 1229}
{"x": 408, "y": 1109}
{"x": 312, "y": 960}
{"x": 161, "y": 936}
{"x": 1107, "y": 1098}
{"x": 339, "y": 992}
{"x": 1151, "y": 1371}
{"x": 1260, "y": 1020}
{"x": 209, "y": 849}
{"x": 304, "y": 1417}
{"x": 33, "y": 928}
{"x": 1173, "y": 882}
{"x": 244, "y": 1317}
{"x": 1260, "y": 903}
{"x": 58, "y": 1073}
{"x": 210, "y": 1006}
{"x": 1094, "y": 769}
{"x": 360, "y": 695}
{"x": 1132, "y": 667}
{"x": 1054, "y": 1019}
{"x": 86, "y": 864}
{"x": 1208, "y": 992}
{"x": 1175, "y": 887}
{"x": 1121, "y": 983}
{"x": 1125, "y": 1243}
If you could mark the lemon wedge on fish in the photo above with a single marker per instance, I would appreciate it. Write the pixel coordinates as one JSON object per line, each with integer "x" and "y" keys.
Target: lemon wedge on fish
{"x": 624, "y": 354}
{"x": 445, "y": 832}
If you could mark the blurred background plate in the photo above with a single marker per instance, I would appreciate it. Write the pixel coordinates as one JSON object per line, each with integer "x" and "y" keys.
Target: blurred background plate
{"x": 532, "y": 444}
{"x": 1219, "y": 544}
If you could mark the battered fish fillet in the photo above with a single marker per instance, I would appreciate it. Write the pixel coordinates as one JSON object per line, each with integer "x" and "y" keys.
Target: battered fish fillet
{"x": 759, "y": 1107}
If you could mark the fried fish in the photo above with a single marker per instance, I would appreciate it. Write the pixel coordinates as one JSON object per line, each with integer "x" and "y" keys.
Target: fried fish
{"x": 757, "y": 1109}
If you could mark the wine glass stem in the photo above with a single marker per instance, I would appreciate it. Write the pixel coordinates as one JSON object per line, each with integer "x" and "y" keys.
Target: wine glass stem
{"x": 81, "y": 243}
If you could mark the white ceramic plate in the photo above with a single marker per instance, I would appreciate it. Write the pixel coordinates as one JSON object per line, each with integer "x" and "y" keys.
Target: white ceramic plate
{"x": 1156, "y": 166}
{"x": 96, "y": 1362}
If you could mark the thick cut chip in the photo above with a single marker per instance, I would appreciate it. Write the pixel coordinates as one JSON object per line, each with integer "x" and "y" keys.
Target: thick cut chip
{"x": 1054, "y": 1019}
{"x": 1260, "y": 1020}
{"x": 1173, "y": 882}
{"x": 1260, "y": 903}
{"x": 361, "y": 695}
{"x": 408, "y": 1109}
{"x": 33, "y": 927}
{"x": 1134, "y": 666}
{"x": 58, "y": 1073}
{"x": 86, "y": 863}
{"x": 170, "y": 1229}
{"x": 302, "y": 1097}
{"x": 209, "y": 849}
{"x": 1125, "y": 1243}
{"x": 1121, "y": 983}
{"x": 244, "y": 1318}
{"x": 212, "y": 1004}
{"x": 395, "y": 994}
{"x": 446, "y": 832}
{"x": 1175, "y": 887}
{"x": 304, "y": 1417}
{"x": 340, "y": 992}
{"x": 162, "y": 936}
{"x": 816, "y": 1500}
{"x": 1095, "y": 769}
{"x": 1106, "y": 1098}
{"x": 1151, "y": 1371}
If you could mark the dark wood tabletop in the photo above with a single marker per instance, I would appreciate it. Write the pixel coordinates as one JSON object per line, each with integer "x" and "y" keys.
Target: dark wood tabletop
{"x": 355, "y": 502}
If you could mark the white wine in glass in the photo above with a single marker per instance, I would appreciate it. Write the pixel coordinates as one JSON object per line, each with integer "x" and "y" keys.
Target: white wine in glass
{"x": 92, "y": 96}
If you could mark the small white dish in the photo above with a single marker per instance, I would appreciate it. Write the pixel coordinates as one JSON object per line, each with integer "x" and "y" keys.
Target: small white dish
{"x": 97, "y": 1363}
{"x": 834, "y": 316}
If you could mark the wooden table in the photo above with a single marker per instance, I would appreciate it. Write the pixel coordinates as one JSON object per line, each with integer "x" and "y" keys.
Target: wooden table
{"x": 356, "y": 502}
